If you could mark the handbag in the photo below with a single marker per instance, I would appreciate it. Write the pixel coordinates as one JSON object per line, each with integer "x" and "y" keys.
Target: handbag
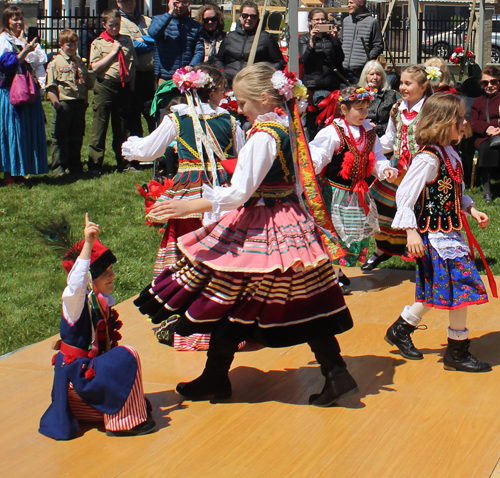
{"x": 495, "y": 140}
{"x": 23, "y": 90}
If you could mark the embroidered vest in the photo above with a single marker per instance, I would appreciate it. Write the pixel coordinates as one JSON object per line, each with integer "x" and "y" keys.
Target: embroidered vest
{"x": 223, "y": 127}
{"x": 333, "y": 170}
{"x": 440, "y": 204}
{"x": 412, "y": 146}
{"x": 280, "y": 180}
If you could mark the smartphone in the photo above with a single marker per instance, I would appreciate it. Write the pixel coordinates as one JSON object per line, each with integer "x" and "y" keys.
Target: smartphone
{"x": 32, "y": 33}
{"x": 324, "y": 27}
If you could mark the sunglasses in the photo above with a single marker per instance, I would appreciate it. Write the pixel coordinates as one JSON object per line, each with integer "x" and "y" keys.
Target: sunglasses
{"x": 209, "y": 19}
{"x": 252, "y": 16}
{"x": 485, "y": 83}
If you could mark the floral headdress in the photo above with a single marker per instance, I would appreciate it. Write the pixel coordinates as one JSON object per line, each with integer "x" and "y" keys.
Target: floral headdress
{"x": 192, "y": 80}
{"x": 290, "y": 87}
{"x": 359, "y": 95}
{"x": 434, "y": 74}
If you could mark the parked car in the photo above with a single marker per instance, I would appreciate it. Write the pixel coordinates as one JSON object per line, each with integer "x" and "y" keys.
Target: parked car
{"x": 495, "y": 39}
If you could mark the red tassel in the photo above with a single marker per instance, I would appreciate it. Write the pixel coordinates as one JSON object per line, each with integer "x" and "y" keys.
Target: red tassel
{"x": 329, "y": 107}
{"x": 92, "y": 353}
{"x": 54, "y": 359}
{"x": 347, "y": 165}
{"x": 69, "y": 358}
{"x": 90, "y": 374}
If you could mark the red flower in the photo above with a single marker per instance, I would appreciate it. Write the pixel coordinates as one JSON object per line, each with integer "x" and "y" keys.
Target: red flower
{"x": 279, "y": 111}
{"x": 470, "y": 54}
{"x": 90, "y": 374}
{"x": 459, "y": 49}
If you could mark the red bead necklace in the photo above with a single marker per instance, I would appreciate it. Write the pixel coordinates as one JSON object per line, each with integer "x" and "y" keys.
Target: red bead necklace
{"x": 456, "y": 174}
{"x": 363, "y": 136}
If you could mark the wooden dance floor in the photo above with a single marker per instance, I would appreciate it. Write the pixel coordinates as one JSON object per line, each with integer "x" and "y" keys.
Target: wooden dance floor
{"x": 411, "y": 419}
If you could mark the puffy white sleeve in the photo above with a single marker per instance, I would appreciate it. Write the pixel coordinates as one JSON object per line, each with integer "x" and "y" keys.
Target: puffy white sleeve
{"x": 152, "y": 146}
{"x": 424, "y": 168}
{"x": 467, "y": 202}
{"x": 37, "y": 60}
{"x": 382, "y": 162}
{"x": 322, "y": 147}
{"x": 239, "y": 139}
{"x": 254, "y": 162}
{"x": 389, "y": 137}
{"x": 74, "y": 294}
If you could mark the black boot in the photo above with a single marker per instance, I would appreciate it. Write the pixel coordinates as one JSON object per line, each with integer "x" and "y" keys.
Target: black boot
{"x": 398, "y": 334}
{"x": 458, "y": 357}
{"x": 338, "y": 382}
{"x": 214, "y": 381}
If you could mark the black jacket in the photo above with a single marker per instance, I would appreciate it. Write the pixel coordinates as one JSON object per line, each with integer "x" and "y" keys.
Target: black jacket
{"x": 320, "y": 62}
{"x": 380, "y": 110}
{"x": 235, "y": 49}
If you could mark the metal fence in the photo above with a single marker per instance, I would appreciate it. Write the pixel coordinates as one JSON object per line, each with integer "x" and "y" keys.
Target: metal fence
{"x": 435, "y": 37}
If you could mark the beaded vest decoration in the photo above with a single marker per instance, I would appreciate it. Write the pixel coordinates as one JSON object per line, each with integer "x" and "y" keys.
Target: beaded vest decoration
{"x": 280, "y": 180}
{"x": 440, "y": 204}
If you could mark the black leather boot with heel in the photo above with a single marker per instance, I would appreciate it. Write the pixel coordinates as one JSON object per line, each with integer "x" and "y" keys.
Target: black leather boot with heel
{"x": 214, "y": 381}
{"x": 458, "y": 357}
{"x": 398, "y": 334}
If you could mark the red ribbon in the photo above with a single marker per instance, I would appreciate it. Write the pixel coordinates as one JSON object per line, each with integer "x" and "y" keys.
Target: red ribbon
{"x": 473, "y": 242}
{"x": 361, "y": 188}
{"x": 329, "y": 106}
{"x": 121, "y": 57}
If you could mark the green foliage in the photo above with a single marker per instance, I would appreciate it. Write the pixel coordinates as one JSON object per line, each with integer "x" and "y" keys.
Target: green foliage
{"x": 32, "y": 274}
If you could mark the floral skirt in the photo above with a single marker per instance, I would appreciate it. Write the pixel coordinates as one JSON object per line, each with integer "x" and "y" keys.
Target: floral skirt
{"x": 447, "y": 283}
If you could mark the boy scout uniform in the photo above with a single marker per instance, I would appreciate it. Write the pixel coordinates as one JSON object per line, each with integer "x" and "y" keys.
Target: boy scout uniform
{"x": 110, "y": 98}
{"x": 72, "y": 80}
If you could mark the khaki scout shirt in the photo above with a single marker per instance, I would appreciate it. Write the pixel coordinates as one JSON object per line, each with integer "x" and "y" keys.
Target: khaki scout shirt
{"x": 60, "y": 74}
{"x": 145, "y": 62}
{"x": 101, "y": 48}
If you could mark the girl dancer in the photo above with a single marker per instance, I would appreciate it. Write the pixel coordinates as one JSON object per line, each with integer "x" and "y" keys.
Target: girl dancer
{"x": 261, "y": 272}
{"x": 400, "y": 138}
{"x": 196, "y": 167}
{"x": 351, "y": 151}
{"x": 430, "y": 205}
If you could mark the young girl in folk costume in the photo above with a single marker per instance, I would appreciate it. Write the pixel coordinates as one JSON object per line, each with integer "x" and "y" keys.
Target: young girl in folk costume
{"x": 201, "y": 151}
{"x": 261, "y": 272}
{"x": 399, "y": 138}
{"x": 351, "y": 151}
{"x": 95, "y": 379}
{"x": 431, "y": 210}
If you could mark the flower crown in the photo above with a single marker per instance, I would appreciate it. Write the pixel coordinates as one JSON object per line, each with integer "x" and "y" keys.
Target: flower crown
{"x": 290, "y": 87}
{"x": 433, "y": 74}
{"x": 360, "y": 94}
{"x": 192, "y": 80}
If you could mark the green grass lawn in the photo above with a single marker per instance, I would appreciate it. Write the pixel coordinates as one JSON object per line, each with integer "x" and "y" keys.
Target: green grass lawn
{"x": 32, "y": 277}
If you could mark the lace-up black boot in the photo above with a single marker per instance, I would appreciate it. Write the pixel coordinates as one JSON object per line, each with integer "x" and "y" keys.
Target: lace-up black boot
{"x": 338, "y": 382}
{"x": 398, "y": 334}
{"x": 458, "y": 357}
{"x": 214, "y": 381}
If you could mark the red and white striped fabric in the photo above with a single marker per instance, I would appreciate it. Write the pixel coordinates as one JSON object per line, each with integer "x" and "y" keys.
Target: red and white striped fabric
{"x": 133, "y": 413}
{"x": 195, "y": 342}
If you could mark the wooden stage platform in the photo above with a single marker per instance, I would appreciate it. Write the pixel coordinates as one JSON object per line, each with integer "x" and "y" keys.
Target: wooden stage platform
{"x": 411, "y": 419}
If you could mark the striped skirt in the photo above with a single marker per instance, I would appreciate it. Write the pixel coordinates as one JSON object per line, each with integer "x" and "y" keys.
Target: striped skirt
{"x": 23, "y": 144}
{"x": 260, "y": 273}
{"x": 389, "y": 240}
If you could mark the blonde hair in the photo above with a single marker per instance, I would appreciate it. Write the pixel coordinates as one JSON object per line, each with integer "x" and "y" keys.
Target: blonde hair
{"x": 446, "y": 78}
{"x": 439, "y": 114}
{"x": 374, "y": 65}
{"x": 256, "y": 80}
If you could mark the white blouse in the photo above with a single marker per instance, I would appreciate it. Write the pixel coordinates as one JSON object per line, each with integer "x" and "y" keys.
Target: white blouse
{"x": 154, "y": 145}
{"x": 254, "y": 162}
{"x": 327, "y": 141}
{"x": 74, "y": 294}
{"x": 423, "y": 169}
{"x": 389, "y": 137}
{"x": 36, "y": 58}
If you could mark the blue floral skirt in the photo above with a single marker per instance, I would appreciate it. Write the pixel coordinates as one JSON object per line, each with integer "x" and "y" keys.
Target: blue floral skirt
{"x": 448, "y": 283}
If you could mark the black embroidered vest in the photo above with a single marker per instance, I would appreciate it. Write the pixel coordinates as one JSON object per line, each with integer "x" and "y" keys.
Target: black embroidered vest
{"x": 440, "y": 204}
{"x": 333, "y": 169}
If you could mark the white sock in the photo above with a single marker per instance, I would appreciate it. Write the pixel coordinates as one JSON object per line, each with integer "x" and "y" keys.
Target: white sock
{"x": 458, "y": 334}
{"x": 409, "y": 317}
